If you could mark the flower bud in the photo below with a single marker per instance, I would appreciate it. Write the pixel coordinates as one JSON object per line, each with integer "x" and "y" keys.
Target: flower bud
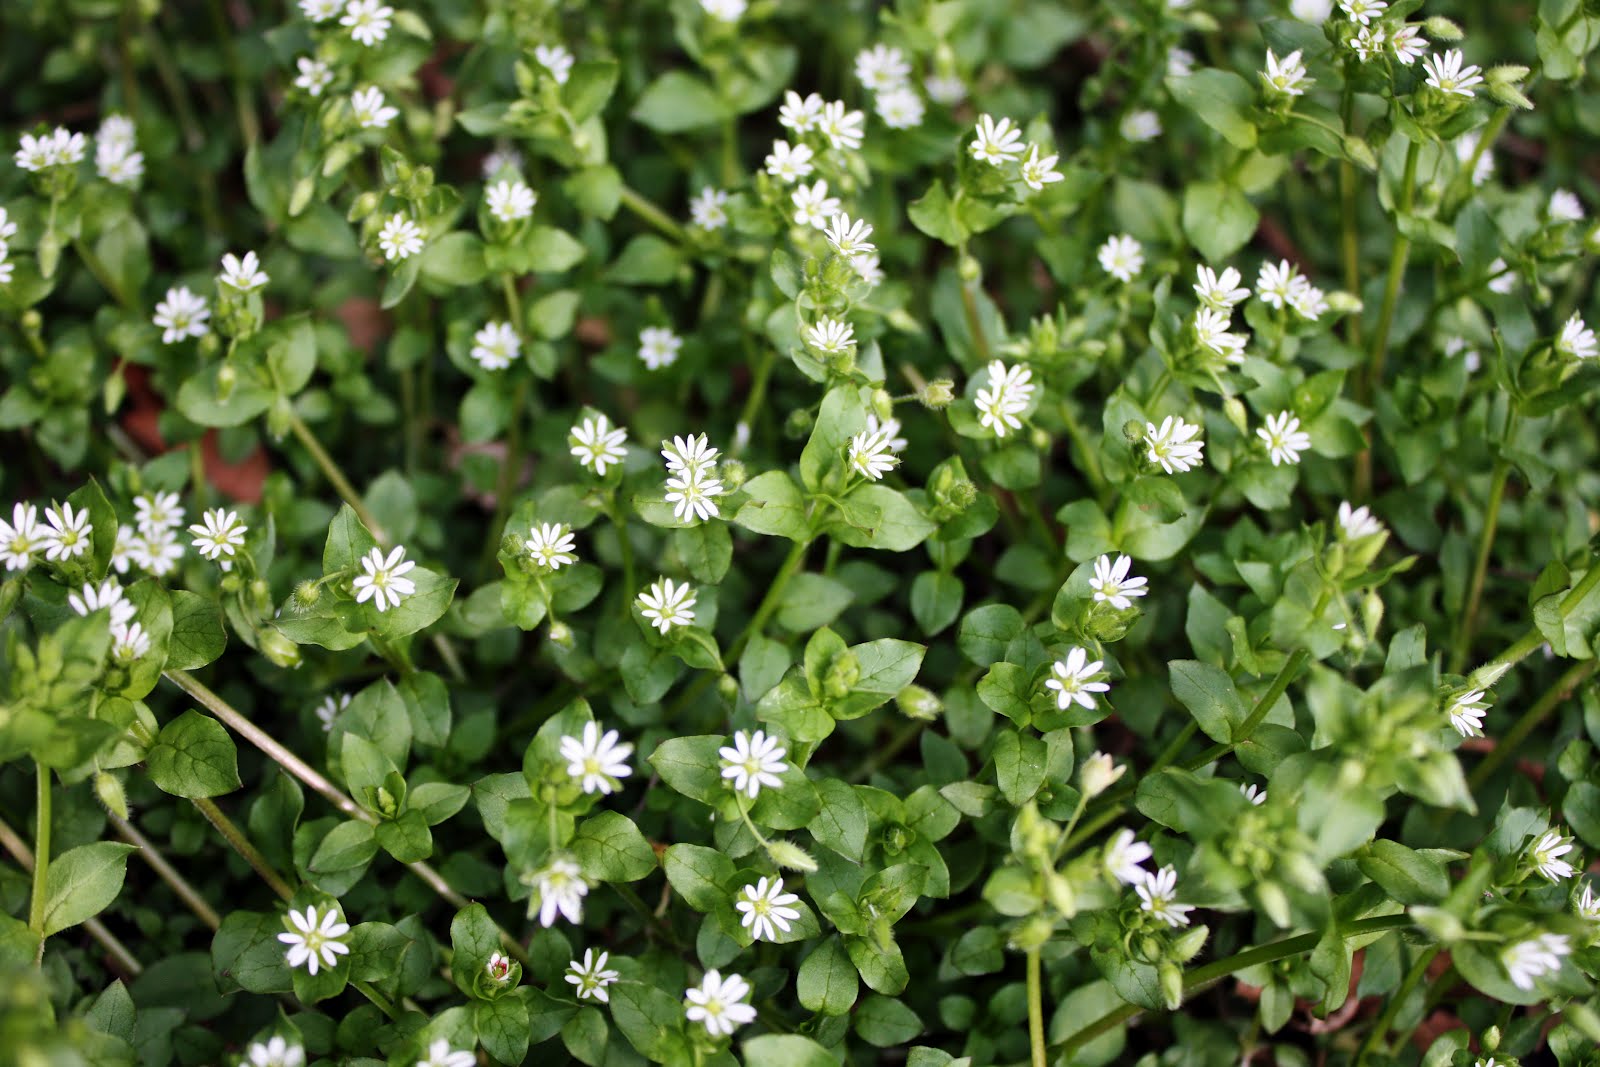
{"x": 49, "y": 254}
{"x": 963, "y": 494}
{"x": 791, "y": 856}
{"x": 1441, "y": 29}
{"x": 915, "y": 702}
{"x": 969, "y": 269}
{"x": 842, "y": 676}
{"x": 561, "y": 635}
{"x": 10, "y": 593}
{"x": 278, "y": 648}
{"x": 280, "y": 417}
{"x": 209, "y": 346}
{"x": 1344, "y": 303}
{"x": 1171, "y": 976}
{"x": 364, "y": 205}
{"x": 300, "y": 196}
{"x": 1039, "y": 439}
{"x": 1098, "y": 773}
{"x": 727, "y": 688}
{"x": 733, "y": 474}
{"x": 798, "y": 424}
{"x": 1033, "y": 932}
{"x": 108, "y": 787}
{"x": 227, "y": 378}
{"x": 32, "y": 322}
{"x": 938, "y": 394}
{"x": 231, "y": 582}
{"x": 1234, "y": 409}
{"x": 1490, "y": 1039}
{"x": 882, "y": 404}
{"x": 306, "y": 595}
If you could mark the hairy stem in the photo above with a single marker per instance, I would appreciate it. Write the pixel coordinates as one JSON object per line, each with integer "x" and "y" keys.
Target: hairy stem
{"x": 330, "y": 470}
{"x": 41, "y": 852}
{"x": 241, "y": 844}
{"x": 1480, "y": 567}
{"x": 166, "y": 871}
{"x": 1036, "y": 1010}
{"x": 125, "y": 962}
{"x": 647, "y": 210}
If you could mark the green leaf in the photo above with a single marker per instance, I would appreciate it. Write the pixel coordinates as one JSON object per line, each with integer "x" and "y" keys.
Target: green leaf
{"x": 875, "y": 516}
{"x": 421, "y": 609}
{"x": 886, "y": 1022}
{"x": 678, "y": 101}
{"x": 246, "y": 954}
{"x": 503, "y": 1028}
{"x": 936, "y": 600}
{"x": 552, "y": 251}
{"x": 1408, "y": 876}
{"x": 194, "y": 757}
{"x": 197, "y": 633}
{"x": 1020, "y": 762}
{"x": 1006, "y": 690}
{"x": 406, "y": 838}
{"x": 841, "y": 823}
{"x": 82, "y": 882}
{"x": 1222, "y": 100}
{"x": 1209, "y": 694}
{"x": 610, "y": 848}
{"x": 456, "y": 259}
{"x": 691, "y": 766}
{"x": 827, "y": 981}
{"x": 652, "y": 1021}
{"x": 774, "y": 506}
{"x": 348, "y": 540}
{"x": 986, "y": 632}
{"x": 786, "y": 1050}
{"x": 348, "y": 845}
{"x": 1218, "y": 219}
{"x": 645, "y": 260}
{"x": 699, "y": 875}
{"x": 935, "y": 216}
{"x": 474, "y": 938}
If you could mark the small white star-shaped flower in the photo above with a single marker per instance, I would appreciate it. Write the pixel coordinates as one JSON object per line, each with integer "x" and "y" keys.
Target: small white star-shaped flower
{"x": 1173, "y": 445}
{"x": 242, "y": 273}
{"x": 382, "y": 580}
{"x": 1122, "y": 257}
{"x": 598, "y": 444}
{"x": 400, "y": 238}
{"x": 371, "y": 110}
{"x": 658, "y": 347}
{"x": 753, "y": 761}
{"x": 718, "y": 1004}
{"x": 555, "y": 59}
{"x": 1576, "y": 340}
{"x": 67, "y": 533}
{"x": 812, "y": 205}
{"x": 496, "y": 346}
{"x": 1466, "y": 713}
{"x": 849, "y": 238}
{"x": 997, "y": 142}
{"x": 550, "y": 545}
{"x": 1220, "y": 292}
{"x": 1112, "y": 585}
{"x": 367, "y": 20}
{"x": 1005, "y": 398}
{"x": 1123, "y": 856}
{"x": 1451, "y": 74}
{"x": 218, "y": 533}
{"x": 314, "y": 940}
{"x": 559, "y": 889}
{"x": 1283, "y": 438}
{"x": 511, "y": 200}
{"x": 590, "y": 976}
{"x": 181, "y": 315}
{"x": 765, "y": 909}
{"x": 1158, "y": 895}
{"x": 789, "y": 163}
{"x": 666, "y": 604}
{"x": 871, "y": 455}
{"x": 1074, "y": 680}
{"x": 597, "y": 759}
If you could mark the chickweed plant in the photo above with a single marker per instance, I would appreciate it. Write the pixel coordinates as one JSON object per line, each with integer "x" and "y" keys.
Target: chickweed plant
{"x": 794, "y": 533}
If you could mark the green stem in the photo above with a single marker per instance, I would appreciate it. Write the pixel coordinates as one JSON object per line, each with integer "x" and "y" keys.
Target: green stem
{"x": 758, "y": 388}
{"x": 41, "y": 853}
{"x": 1385, "y": 1021}
{"x": 12, "y": 842}
{"x": 1350, "y": 238}
{"x": 1210, "y": 973}
{"x": 166, "y": 871}
{"x": 969, "y": 305}
{"x": 1286, "y": 674}
{"x": 769, "y": 603}
{"x": 1398, "y": 256}
{"x": 508, "y": 286}
{"x": 510, "y": 466}
{"x": 1159, "y": 390}
{"x": 647, "y": 210}
{"x": 330, "y": 470}
{"x": 1088, "y": 457}
{"x": 1480, "y": 568}
{"x": 624, "y": 545}
{"x": 1511, "y": 742}
{"x": 241, "y": 844}
{"x": 1036, "y": 1009}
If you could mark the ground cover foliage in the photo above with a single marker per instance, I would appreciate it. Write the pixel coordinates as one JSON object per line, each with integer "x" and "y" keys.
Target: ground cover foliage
{"x": 763, "y": 532}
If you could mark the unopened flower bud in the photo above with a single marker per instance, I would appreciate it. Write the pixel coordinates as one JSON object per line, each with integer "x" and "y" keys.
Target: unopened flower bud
{"x": 969, "y": 269}
{"x": 278, "y": 648}
{"x": 727, "y": 688}
{"x": 300, "y": 196}
{"x": 31, "y": 322}
{"x": 798, "y": 424}
{"x": 1032, "y": 932}
{"x": 306, "y": 595}
{"x": 1441, "y": 29}
{"x": 209, "y": 346}
{"x": 842, "y": 676}
{"x": 963, "y": 494}
{"x": 1344, "y": 303}
{"x": 561, "y": 634}
{"x": 49, "y": 253}
{"x": 227, "y": 378}
{"x": 1490, "y": 1039}
{"x": 915, "y": 702}
{"x": 1171, "y": 977}
{"x": 791, "y": 856}
{"x": 882, "y": 404}
{"x": 280, "y": 417}
{"x": 1039, "y": 439}
{"x": 1233, "y": 408}
{"x": 1098, "y": 773}
{"x": 108, "y": 787}
{"x": 733, "y": 474}
{"x": 364, "y": 205}
{"x": 938, "y": 393}
{"x": 231, "y": 582}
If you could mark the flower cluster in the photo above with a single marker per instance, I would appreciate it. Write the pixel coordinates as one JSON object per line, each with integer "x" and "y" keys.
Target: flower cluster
{"x": 692, "y": 484}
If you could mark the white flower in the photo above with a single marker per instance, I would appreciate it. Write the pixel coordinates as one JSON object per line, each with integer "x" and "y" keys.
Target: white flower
{"x": 724, "y": 10}
{"x": 314, "y": 941}
{"x": 1357, "y": 522}
{"x": 1173, "y": 446}
{"x": 597, "y": 759}
{"x": 1502, "y": 279}
{"x": 1449, "y": 73}
{"x": 1457, "y": 346}
{"x": 399, "y": 238}
{"x": 122, "y": 553}
{"x": 6, "y": 267}
{"x": 693, "y": 453}
{"x": 1008, "y": 394}
{"x": 243, "y": 274}
{"x": 812, "y": 205}
{"x": 218, "y": 533}
{"x": 1037, "y": 171}
{"x": 843, "y": 128}
{"x": 598, "y": 444}
{"x": 590, "y": 976}
{"x": 20, "y": 538}
{"x": 1140, "y": 126}
{"x": 708, "y": 210}
{"x": 947, "y": 89}
{"x": 321, "y": 10}
{"x": 556, "y": 59}
{"x": 1588, "y": 904}
{"x": 1466, "y": 713}
{"x": 830, "y": 335}
{"x": 753, "y": 761}
{"x": 1283, "y": 438}
{"x": 1252, "y": 793}
{"x": 330, "y": 708}
{"x": 382, "y": 581}
{"x": 867, "y": 269}
{"x": 440, "y": 1054}
{"x": 848, "y": 238}
{"x": 666, "y": 604}
{"x": 118, "y": 163}
{"x": 1368, "y": 43}
{"x": 1466, "y": 148}
{"x": 1099, "y": 773}
{"x": 1180, "y": 63}
{"x": 182, "y": 314}
{"x": 8, "y": 229}
{"x": 35, "y": 152}
{"x": 1408, "y": 44}
{"x": 1121, "y": 257}
{"x": 551, "y": 545}
{"x": 1286, "y": 75}
{"x": 67, "y": 148}
{"x": 1545, "y": 856}
{"x": 1308, "y": 301}
{"x": 368, "y": 20}
{"x": 1112, "y": 585}
{"x": 107, "y": 596}
{"x": 371, "y": 110}
{"x": 128, "y": 643}
{"x": 1576, "y": 340}
{"x": 881, "y": 68}
{"x": 997, "y": 142}
{"x": 789, "y": 163}
{"x": 1158, "y": 895}
{"x": 511, "y": 201}
{"x": 658, "y": 346}
{"x": 277, "y": 1052}
{"x": 1123, "y": 856}
{"x": 693, "y": 492}
{"x": 1221, "y": 292}
{"x": 67, "y": 534}
{"x": 1534, "y": 958}
{"x": 496, "y": 346}
{"x": 1073, "y": 680}
{"x": 1565, "y": 206}
{"x": 871, "y": 455}
{"x": 504, "y": 157}
{"x": 1311, "y": 10}
{"x": 765, "y": 909}
{"x": 890, "y": 428}
{"x": 1211, "y": 331}
{"x": 800, "y": 115}
{"x": 1363, "y": 11}
{"x": 157, "y": 553}
{"x": 559, "y": 889}
{"x": 900, "y": 108}
{"x": 1275, "y": 283}
{"x": 718, "y": 1003}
